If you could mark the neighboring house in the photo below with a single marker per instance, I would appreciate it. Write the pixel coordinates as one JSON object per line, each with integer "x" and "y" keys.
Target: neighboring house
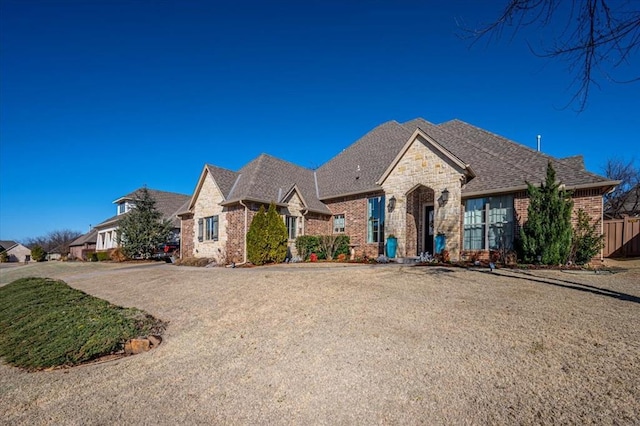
{"x": 83, "y": 244}
{"x": 415, "y": 180}
{"x": 16, "y": 252}
{"x": 167, "y": 203}
{"x": 54, "y": 254}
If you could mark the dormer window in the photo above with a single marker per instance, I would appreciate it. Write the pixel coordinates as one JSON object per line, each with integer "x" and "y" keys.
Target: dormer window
{"x": 124, "y": 207}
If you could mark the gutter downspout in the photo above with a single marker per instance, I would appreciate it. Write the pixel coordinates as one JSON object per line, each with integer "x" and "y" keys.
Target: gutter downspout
{"x": 304, "y": 220}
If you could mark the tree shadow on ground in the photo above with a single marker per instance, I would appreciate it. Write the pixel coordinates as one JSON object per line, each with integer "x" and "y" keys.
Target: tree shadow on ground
{"x": 572, "y": 285}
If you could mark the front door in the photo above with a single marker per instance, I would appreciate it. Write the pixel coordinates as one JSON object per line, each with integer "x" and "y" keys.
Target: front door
{"x": 428, "y": 229}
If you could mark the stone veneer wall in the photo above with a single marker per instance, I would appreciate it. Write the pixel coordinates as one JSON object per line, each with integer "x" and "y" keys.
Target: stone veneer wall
{"x": 416, "y": 201}
{"x": 208, "y": 204}
{"x": 422, "y": 166}
{"x": 294, "y": 208}
{"x": 187, "y": 236}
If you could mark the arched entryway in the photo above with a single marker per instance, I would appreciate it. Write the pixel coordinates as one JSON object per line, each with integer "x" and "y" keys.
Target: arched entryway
{"x": 420, "y": 220}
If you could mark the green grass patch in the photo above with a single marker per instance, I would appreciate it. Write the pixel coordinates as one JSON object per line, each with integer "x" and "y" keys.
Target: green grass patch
{"x": 45, "y": 323}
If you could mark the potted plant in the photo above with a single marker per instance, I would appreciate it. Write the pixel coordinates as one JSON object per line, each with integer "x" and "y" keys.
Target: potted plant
{"x": 392, "y": 245}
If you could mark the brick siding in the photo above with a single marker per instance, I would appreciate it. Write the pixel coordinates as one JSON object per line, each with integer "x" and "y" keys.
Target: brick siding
{"x": 235, "y": 233}
{"x": 354, "y": 209}
{"x": 589, "y": 200}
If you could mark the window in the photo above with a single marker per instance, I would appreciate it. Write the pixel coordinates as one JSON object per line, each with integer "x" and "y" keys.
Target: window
{"x": 211, "y": 228}
{"x": 501, "y": 222}
{"x": 291, "y": 222}
{"x": 474, "y": 224}
{"x": 375, "y": 213}
{"x": 488, "y": 223}
{"x": 125, "y": 206}
{"x": 338, "y": 224}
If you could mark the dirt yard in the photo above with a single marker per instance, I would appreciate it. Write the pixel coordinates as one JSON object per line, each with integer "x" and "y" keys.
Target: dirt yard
{"x": 316, "y": 344}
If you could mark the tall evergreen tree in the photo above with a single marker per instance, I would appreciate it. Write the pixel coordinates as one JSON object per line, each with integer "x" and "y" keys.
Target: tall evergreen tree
{"x": 256, "y": 238}
{"x": 267, "y": 237}
{"x": 547, "y": 232}
{"x": 277, "y": 236}
{"x": 141, "y": 230}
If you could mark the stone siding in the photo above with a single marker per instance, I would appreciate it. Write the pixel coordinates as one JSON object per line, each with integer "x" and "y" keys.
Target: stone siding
{"x": 208, "y": 204}
{"x": 187, "y": 235}
{"x": 416, "y": 227}
{"x": 421, "y": 166}
{"x": 295, "y": 208}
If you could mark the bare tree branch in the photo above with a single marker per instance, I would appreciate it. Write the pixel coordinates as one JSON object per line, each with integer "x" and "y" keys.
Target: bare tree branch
{"x": 625, "y": 198}
{"x": 595, "y": 37}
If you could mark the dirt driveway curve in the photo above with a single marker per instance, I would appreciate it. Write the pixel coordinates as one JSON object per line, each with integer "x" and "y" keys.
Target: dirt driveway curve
{"x": 299, "y": 344}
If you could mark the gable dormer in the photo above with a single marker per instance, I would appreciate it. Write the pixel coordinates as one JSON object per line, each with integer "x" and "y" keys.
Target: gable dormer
{"x": 124, "y": 206}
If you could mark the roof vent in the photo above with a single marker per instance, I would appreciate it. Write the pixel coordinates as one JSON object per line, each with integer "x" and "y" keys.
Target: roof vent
{"x": 539, "y": 137}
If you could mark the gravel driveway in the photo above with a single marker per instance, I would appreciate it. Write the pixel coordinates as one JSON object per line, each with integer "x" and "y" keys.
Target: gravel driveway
{"x": 316, "y": 344}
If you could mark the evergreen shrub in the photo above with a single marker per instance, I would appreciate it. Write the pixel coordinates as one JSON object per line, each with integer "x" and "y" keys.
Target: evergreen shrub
{"x": 587, "y": 241}
{"x": 546, "y": 235}
{"x": 267, "y": 237}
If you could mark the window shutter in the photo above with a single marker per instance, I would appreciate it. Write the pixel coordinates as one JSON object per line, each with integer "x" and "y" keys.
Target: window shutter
{"x": 200, "y": 229}
{"x": 215, "y": 228}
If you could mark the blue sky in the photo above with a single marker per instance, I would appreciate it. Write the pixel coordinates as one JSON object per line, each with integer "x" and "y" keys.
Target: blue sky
{"x": 98, "y": 98}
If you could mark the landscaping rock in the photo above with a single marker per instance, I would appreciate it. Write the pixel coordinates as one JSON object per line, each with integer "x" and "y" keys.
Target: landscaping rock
{"x": 137, "y": 346}
{"x": 154, "y": 340}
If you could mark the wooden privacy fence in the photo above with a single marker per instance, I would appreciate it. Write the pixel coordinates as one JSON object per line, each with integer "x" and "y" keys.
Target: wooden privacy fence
{"x": 622, "y": 237}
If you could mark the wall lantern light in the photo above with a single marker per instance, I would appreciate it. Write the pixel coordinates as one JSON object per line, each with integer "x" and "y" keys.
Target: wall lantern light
{"x": 392, "y": 204}
{"x": 445, "y": 196}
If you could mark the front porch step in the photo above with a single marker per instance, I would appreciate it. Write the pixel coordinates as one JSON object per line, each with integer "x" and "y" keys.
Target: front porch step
{"x": 406, "y": 260}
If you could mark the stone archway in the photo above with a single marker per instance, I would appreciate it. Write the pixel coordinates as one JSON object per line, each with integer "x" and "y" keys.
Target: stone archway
{"x": 417, "y": 228}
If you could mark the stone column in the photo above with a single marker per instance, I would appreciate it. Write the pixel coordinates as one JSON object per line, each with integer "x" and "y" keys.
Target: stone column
{"x": 396, "y": 222}
{"x": 448, "y": 218}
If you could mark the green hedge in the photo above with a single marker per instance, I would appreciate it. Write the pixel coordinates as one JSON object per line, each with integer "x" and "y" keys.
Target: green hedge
{"x": 307, "y": 244}
{"x": 99, "y": 256}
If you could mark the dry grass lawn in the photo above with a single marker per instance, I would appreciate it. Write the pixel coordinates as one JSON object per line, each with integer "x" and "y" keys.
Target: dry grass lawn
{"x": 311, "y": 344}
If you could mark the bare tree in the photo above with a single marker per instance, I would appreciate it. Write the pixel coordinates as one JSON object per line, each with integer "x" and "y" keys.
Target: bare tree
{"x": 625, "y": 198}
{"x": 58, "y": 240}
{"x": 590, "y": 35}
{"x": 41, "y": 241}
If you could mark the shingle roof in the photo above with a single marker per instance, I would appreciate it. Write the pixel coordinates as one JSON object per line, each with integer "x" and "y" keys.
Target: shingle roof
{"x": 357, "y": 168}
{"x": 498, "y": 163}
{"x": 167, "y": 203}
{"x": 7, "y": 244}
{"x": 502, "y": 164}
{"x": 223, "y": 177}
{"x": 268, "y": 179}
{"x": 88, "y": 238}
